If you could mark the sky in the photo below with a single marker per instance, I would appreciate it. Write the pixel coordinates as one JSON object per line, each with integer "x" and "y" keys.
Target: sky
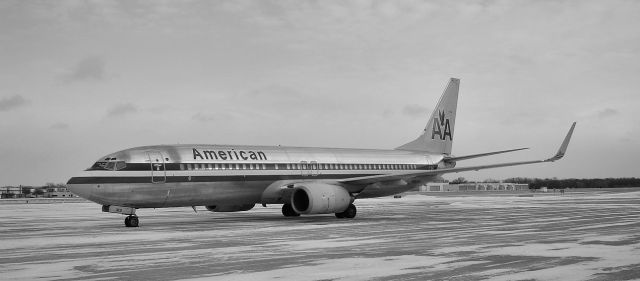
{"x": 81, "y": 79}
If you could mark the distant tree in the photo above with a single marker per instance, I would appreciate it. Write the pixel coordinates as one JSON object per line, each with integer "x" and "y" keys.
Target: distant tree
{"x": 459, "y": 180}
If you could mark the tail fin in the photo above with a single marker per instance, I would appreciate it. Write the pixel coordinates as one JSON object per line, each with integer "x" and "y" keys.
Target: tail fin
{"x": 438, "y": 134}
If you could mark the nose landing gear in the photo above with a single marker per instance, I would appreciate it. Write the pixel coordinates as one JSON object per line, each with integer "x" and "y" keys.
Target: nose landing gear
{"x": 131, "y": 221}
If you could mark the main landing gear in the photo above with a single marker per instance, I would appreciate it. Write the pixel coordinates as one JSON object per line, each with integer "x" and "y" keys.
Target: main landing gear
{"x": 131, "y": 221}
{"x": 349, "y": 213}
{"x": 288, "y": 211}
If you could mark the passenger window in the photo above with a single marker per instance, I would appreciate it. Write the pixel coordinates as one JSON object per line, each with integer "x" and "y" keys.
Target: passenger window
{"x": 182, "y": 167}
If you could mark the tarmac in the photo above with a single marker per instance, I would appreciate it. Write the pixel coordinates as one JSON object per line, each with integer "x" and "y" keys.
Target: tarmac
{"x": 590, "y": 235}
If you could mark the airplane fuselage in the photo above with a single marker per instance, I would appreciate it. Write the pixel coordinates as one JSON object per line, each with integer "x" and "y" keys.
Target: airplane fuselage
{"x": 232, "y": 175}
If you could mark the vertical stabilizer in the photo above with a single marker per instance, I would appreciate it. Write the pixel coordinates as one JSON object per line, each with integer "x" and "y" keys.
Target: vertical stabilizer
{"x": 438, "y": 134}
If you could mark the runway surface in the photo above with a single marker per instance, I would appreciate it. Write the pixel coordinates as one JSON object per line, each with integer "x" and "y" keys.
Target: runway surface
{"x": 578, "y": 236}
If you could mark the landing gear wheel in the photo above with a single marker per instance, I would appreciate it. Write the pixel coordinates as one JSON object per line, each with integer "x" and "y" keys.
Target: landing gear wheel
{"x": 288, "y": 211}
{"x": 349, "y": 213}
{"x": 131, "y": 221}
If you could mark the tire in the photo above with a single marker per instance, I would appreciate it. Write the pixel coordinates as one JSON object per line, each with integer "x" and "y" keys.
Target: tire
{"x": 134, "y": 221}
{"x": 127, "y": 221}
{"x": 350, "y": 212}
{"x": 287, "y": 211}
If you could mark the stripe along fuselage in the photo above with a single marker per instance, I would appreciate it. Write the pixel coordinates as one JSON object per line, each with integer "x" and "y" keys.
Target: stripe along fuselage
{"x": 195, "y": 175}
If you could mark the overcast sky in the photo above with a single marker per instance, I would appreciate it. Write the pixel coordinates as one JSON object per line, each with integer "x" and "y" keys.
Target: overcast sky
{"x": 81, "y": 79}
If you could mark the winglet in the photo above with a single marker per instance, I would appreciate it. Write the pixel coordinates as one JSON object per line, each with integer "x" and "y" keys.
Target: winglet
{"x": 563, "y": 147}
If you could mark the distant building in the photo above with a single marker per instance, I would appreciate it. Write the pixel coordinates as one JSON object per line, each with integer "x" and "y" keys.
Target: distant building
{"x": 465, "y": 187}
{"x": 11, "y": 192}
{"x": 58, "y": 192}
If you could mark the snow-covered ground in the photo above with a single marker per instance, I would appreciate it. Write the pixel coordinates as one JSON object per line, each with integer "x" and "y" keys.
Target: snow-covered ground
{"x": 578, "y": 236}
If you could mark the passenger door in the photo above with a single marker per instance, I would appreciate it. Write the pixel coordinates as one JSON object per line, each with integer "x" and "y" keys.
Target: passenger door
{"x": 158, "y": 172}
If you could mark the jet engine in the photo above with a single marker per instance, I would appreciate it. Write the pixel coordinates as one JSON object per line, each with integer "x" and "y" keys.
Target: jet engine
{"x": 320, "y": 198}
{"x": 230, "y": 208}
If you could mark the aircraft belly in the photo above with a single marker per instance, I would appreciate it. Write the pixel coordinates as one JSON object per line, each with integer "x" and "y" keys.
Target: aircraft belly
{"x": 215, "y": 193}
{"x": 388, "y": 190}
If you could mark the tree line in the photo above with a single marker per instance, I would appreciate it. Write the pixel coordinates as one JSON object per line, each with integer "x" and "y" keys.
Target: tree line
{"x": 535, "y": 183}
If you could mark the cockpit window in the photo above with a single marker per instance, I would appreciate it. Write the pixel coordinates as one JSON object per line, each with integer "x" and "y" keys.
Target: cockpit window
{"x": 108, "y": 165}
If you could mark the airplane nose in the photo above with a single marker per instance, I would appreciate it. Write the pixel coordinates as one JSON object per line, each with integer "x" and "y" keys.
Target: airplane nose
{"x": 81, "y": 190}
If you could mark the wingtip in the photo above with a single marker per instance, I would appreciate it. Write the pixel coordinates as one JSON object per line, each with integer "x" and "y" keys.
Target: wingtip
{"x": 565, "y": 144}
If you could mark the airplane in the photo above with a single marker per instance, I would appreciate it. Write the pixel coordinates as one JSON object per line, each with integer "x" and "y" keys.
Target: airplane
{"x": 305, "y": 180}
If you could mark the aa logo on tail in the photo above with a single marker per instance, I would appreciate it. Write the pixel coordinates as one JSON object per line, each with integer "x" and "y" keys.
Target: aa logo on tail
{"x": 441, "y": 127}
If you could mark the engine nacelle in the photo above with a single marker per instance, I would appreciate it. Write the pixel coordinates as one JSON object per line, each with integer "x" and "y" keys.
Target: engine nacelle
{"x": 230, "y": 208}
{"x": 320, "y": 198}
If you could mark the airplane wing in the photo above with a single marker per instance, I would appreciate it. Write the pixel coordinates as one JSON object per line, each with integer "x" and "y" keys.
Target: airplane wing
{"x": 396, "y": 176}
{"x": 460, "y": 158}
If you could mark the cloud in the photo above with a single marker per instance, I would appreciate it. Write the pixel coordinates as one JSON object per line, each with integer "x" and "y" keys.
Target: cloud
{"x": 415, "y": 111}
{"x": 91, "y": 68}
{"x": 13, "y": 102}
{"x": 279, "y": 98}
{"x": 60, "y": 126}
{"x": 607, "y": 112}
{"x": 122, "y": 109}
{"x": 209, "y": 117}
{"x": 202, "y": 117}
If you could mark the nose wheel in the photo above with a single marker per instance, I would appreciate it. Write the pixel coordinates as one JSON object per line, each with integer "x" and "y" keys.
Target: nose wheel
{"x": 131, "y": 221}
